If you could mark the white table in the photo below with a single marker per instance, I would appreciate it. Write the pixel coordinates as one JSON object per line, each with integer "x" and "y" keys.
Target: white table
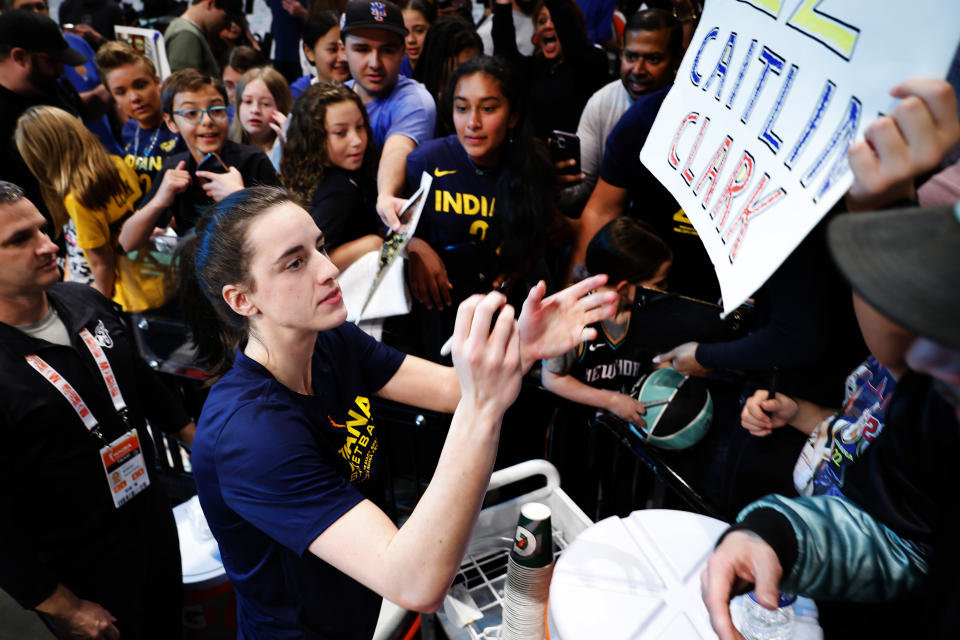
{"x": 639, "y": 577}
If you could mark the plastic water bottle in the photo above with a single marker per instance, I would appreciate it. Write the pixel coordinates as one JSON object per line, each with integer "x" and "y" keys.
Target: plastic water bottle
{"x": 759, "y": 623}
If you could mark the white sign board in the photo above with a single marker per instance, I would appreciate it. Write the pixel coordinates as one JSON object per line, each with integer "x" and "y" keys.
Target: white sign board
{"x": 752, "y": 138}
{"x": 149, "y": 42}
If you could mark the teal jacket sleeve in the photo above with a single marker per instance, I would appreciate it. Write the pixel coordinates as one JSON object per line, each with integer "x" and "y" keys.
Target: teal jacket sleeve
{"x": 837, "y": 551}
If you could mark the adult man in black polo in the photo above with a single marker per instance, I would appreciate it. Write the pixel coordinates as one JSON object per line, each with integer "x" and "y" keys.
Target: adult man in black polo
{"x": 86, "y": 537}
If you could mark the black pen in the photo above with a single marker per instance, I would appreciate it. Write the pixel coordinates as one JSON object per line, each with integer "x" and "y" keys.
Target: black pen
{"x": 772, "y": 386}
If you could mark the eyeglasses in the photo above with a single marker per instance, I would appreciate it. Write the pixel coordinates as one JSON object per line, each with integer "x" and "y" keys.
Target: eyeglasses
{"x": 194, "y": 116}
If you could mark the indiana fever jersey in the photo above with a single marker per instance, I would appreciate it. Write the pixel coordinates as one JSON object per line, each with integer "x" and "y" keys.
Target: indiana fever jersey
{"x": 461, "y": 202}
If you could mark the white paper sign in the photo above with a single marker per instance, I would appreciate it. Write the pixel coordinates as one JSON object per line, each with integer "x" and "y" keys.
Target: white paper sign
{"x": 149, "y": 42}
{"x": 752, "y": 138}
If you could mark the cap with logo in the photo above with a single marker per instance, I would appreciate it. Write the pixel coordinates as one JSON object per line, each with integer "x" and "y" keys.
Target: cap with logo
{"x": 372, "y": 14}
{"x": 234, "y": 9}
{"x": 37, "y": 33}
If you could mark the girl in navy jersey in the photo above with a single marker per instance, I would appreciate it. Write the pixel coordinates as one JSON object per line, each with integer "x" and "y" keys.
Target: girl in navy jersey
{"x": 487, "y": 216}
{"x": 328, "y": 162}
{"x": 287, "y": 442}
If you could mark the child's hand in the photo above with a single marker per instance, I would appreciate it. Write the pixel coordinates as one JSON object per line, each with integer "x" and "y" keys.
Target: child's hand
{"x": 277, "y": 120}
{"x": 388, "y": 208}
{"x": 221, "y": 185}
{"x": 427, "y": 275}
{"x": 175, "y": 181}
{"x": 552, "y": 326}
{"x": 627, "y": 408}
{"x": 760, "y": 416}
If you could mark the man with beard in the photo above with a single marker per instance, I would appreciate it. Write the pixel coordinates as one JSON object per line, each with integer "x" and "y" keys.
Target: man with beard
{"x": 652, "y": 50}
{"x": 33, "y": 53}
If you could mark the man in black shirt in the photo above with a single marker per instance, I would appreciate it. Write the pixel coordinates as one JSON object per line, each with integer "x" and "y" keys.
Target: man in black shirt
{"x": 87, "y": 538}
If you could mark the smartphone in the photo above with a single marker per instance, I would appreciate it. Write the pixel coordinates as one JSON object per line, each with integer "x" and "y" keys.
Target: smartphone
{"x": 564, "y": 146}
{"x": 212, "y": 164}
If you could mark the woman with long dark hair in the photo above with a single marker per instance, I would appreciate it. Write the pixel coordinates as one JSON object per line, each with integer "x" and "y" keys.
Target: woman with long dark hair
{"x": 486, "y": 220}
{"x": 565, "y": 68}
{"x": 286, "y": 445}
{"x": 418, "y": 16}
{"x": 450, "y": 42}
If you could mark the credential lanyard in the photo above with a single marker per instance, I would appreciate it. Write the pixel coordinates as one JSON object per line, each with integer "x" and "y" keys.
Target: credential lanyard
{"x": 70, "y": 394}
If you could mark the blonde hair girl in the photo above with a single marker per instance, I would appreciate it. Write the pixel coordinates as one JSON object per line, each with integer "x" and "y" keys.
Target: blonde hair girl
{"x": 83, "y": 184}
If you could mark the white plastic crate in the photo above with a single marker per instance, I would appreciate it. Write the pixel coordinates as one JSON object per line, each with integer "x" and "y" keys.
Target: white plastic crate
{"x": 484, "y": 568}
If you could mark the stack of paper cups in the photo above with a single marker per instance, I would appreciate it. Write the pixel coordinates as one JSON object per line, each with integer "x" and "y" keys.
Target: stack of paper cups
{"x": 529, "y": 569}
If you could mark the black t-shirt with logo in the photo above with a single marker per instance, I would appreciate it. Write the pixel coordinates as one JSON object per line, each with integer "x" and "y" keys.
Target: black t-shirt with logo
{"x": 252, "y": 163}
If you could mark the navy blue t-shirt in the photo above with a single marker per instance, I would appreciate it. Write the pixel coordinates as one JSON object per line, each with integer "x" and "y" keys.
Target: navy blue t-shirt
{"x": 459, "y": 207}
{"x": 144, "y": 150}
{"x": 275, "y": 468}
{"x": 692, "y": 273}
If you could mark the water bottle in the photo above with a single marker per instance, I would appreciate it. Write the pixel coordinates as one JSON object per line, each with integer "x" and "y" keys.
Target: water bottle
{"x": 759, "y": 623}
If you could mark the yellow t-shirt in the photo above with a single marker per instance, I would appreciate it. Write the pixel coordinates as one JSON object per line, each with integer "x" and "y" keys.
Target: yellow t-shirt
{"x": 142, "y": 280}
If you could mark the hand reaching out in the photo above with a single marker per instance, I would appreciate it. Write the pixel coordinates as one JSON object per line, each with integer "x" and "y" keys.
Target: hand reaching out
{"x": 907, "y": 142}
{"x": 388, "y": 208}
{"x": 741, "y": 559}
{"x": 552, "y": 326}
{"x": 683, "y": 359}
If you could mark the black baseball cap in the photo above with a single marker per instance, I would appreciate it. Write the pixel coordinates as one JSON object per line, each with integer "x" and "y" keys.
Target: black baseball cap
{"x": 906, "y": 264}
{"x": 37, "y": 33}
{"x": 234, "y": 9}
{"x": 372, "y": 14}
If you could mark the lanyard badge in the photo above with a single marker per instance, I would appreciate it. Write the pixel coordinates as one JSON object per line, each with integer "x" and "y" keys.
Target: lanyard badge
{"x": 123, "y": 458}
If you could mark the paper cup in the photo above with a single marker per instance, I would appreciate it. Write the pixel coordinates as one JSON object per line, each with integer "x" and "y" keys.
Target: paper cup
{"x": 533, "y": 540}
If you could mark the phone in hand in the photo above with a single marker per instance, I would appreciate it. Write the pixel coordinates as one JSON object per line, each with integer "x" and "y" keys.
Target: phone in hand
{"x": 211, "y": 162}
{"x": 565, "y": 146}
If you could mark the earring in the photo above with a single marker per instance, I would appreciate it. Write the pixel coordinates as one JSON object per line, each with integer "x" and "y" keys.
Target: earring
{"x": 510, "y": 136}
